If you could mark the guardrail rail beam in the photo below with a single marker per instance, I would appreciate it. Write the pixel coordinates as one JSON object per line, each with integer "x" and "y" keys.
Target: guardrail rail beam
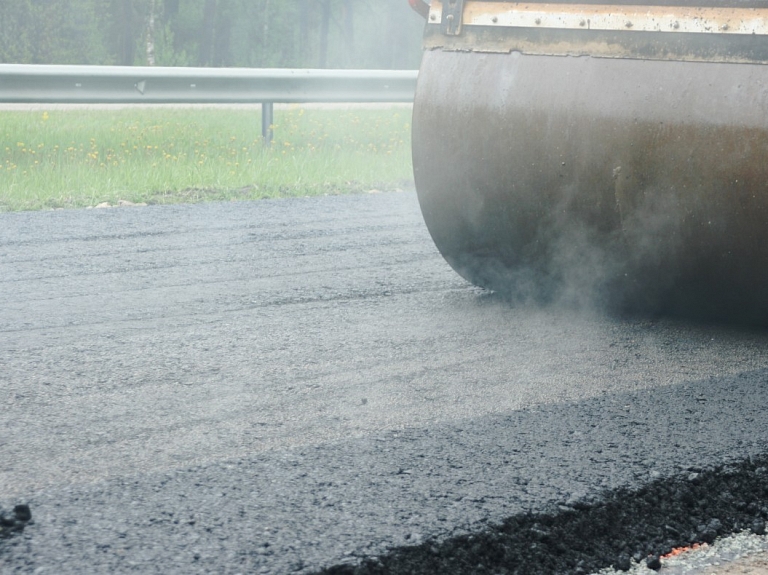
{"x": 22, "y": 83}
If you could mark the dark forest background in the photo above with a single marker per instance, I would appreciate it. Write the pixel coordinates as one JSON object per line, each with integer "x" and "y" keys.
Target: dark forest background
{"x": 382, "y": 34}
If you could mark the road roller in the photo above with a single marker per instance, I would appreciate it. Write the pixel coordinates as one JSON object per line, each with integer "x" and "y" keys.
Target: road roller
{"x": 604, "y": 153}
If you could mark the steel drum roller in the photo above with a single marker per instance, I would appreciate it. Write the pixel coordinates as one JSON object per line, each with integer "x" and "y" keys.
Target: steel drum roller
{"x": 616, "y": 154}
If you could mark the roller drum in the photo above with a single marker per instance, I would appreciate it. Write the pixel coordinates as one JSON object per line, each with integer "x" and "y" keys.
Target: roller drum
{"x": 636, "y": 184}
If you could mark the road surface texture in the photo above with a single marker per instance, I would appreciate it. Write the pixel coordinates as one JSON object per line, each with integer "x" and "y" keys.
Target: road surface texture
{"x": 304, "y": 386}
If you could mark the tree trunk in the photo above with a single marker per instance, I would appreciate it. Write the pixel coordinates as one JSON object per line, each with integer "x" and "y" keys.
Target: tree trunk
{"x": 127, "y": 45}
{"x": 349, "y": 26}
{"x": 208, "y": 33}
{"x": 392, "y": 40}
{"x": 151, "y": 33}
{"x": 324, "y": 26}
{"x": 222, "y": 39}
{"x": 265, "y": 32}
{"x": 303, "y": 32}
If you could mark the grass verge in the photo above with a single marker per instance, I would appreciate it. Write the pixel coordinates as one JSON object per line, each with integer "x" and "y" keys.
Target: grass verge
{"x": 79, "y": 158}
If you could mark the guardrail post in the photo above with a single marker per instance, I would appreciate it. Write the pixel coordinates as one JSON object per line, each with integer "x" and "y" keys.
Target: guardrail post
{"x": 267, "y": 121}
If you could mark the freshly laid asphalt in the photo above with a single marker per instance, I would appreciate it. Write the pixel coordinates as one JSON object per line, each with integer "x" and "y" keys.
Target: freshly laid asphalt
{"x": 288, "y": 386}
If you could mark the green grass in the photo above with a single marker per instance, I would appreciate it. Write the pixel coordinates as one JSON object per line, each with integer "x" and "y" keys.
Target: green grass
{"x": 77, "y": 158}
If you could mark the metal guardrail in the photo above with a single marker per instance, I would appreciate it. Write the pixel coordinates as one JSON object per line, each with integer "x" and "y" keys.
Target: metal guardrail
{"x": 21, "y": 83}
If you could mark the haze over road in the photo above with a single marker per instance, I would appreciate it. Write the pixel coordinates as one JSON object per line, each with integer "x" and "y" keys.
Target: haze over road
{"x": 286, "y": 385}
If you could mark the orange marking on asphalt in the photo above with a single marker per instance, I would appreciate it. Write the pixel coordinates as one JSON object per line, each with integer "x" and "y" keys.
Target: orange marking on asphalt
{"x": 680, "y": 550}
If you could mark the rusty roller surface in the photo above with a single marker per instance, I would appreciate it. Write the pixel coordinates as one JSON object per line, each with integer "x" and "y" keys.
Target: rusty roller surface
{"x": 599, "y": 153}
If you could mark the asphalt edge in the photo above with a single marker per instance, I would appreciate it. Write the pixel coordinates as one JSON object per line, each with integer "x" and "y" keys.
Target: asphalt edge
{"x": 618, "y": 527}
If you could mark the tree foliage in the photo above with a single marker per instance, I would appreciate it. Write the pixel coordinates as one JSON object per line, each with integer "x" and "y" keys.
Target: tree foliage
{"x": 251, "y": 33}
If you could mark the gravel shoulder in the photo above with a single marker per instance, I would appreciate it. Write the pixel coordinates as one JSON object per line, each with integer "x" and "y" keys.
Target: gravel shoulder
{"x": 743, "y": 553}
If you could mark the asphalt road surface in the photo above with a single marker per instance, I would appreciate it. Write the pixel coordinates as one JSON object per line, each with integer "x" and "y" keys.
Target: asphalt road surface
{"x": 297, "y": 385}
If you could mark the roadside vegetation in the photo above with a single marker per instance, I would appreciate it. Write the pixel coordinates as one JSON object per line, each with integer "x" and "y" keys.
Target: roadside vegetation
{"x": 80, "y": 158}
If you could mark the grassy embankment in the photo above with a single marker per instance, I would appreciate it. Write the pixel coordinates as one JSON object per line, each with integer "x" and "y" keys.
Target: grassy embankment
{"x": 77, "y": 158}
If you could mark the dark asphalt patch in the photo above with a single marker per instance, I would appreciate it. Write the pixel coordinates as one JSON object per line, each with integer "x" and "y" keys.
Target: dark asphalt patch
{"x": 641, "y": 524}
{"x": 13, "y": 522}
